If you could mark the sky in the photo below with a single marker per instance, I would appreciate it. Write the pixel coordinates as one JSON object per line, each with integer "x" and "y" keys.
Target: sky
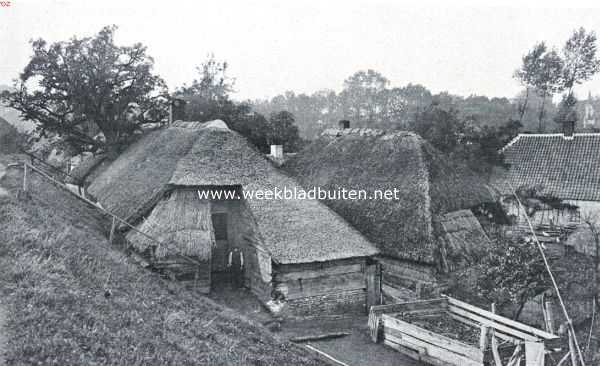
{"x": 306, "y": 46}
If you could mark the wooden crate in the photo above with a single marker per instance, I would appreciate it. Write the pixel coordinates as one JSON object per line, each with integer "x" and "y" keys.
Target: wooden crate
{"x": 389, "y": 324}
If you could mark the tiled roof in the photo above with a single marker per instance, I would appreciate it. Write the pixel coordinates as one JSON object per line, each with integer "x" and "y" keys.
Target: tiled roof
{"x": 564, "y": 167}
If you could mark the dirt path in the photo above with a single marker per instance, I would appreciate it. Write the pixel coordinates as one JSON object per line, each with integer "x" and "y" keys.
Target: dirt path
{"x": 354, "y": 350}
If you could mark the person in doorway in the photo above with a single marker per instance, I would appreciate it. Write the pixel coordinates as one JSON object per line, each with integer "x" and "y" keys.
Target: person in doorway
{"x": 235, "y": 264}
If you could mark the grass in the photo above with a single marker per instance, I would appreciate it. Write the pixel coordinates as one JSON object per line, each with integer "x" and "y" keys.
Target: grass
{"x": 72, "y": 299}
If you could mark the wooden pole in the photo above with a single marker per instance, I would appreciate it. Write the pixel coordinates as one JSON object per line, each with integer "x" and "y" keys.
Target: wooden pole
{"x": 111, "y": 236}
{"x": 495, "y": 352}
{"x": 572, "y": 350}
{"x": 24, "y": 177}
{"x": 483, "y": 338}
{"x": 550, "y": 315}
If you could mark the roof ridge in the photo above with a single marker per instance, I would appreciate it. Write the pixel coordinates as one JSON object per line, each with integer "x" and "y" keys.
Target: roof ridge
{"x": 367, "y": 131}
{"x": 518, "y": 137}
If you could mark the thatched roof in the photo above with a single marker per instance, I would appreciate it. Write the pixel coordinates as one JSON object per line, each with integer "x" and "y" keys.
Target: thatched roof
{"x": 367, "y": 159}
{"x": 208, "y": 155}
{"x": 181, "y": 223}
{"x": 464, "y": 241}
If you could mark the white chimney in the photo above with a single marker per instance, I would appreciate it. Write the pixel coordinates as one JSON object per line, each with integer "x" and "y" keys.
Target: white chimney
{"x": 277, "y": 151}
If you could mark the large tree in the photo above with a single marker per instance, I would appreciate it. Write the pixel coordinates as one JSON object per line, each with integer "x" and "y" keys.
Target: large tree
{"x": 580, "y": 61}
{"x": 283, "y": 131}
{"x": 362, "y": 96}
{"x": 208, "y": 98}
{"x": 90, "y": 91}
{"x": 541, "y": 70}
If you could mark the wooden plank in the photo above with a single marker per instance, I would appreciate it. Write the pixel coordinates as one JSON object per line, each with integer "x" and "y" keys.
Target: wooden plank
{"x": 396, "y": 326}
{"x": 493, "y": 324}
{"x": 500, "y": 319}
{"x": 317, "y": 266}
{"x": 323, "y": 285}
{"x": 399, "y": 296}
{"x": 410, "y": 352}
{"x": 308, "y": 274}
{"x": 504, "y": 337}
{"x": 374, "y": 324}
{"x": 326, "y": 356}
{"x": 433, "y": 351}
{"x": 373, "y": 284}
{"x": 412, "y": 305}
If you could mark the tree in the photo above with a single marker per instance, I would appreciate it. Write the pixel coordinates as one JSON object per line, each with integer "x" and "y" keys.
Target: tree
{"x": 541, "y": 70}
{"x": 90, "y": 91}
{"x": 567, "y": 112}
{"x": 362, "y": 95}
{"x": 512, "y": 273}
{"x": 283, "y": 131}
{"x": 214, "y": 83}
{"x": 580, "y": 60}
{"x": 440, "y": 126}
{"x": 208, "y": 98}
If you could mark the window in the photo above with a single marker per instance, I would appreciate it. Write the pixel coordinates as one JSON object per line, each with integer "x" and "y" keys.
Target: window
{"x": 219, "y": 221}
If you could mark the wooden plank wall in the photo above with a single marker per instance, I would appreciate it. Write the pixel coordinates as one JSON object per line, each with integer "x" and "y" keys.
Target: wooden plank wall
{"x": 403, "y": 280}
{"x": 329, "y": 288}
{"x": 429, "y": 346}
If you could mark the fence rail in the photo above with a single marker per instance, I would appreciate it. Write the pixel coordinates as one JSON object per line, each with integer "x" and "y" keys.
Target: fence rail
{"x": 114, "y": 218}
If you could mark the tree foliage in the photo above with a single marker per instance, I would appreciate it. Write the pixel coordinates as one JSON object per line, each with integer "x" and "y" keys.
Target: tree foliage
{"x": 90, "y": 91}
{"x": 208, "y": 98}
{"x": 542, "y": 71}
{"x": 580, "y": 59}
{"x": 548, "y": 73}
{"x": 283, "y": 131}
{"x": 512, "y": 274}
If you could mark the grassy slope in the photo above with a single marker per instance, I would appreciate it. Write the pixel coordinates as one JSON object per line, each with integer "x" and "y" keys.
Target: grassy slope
{"x": 55, "y": 266}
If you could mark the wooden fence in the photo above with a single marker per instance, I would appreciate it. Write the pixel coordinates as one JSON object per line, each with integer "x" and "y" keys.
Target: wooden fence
{"x": 498, "y": 335}
{"x": 115, "y": 220}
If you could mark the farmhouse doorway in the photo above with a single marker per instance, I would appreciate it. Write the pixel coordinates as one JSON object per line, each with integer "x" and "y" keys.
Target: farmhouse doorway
{"x": 220, "y": 222}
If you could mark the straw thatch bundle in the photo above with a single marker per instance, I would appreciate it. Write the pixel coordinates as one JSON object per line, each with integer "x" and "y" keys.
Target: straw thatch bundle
{"x": 191, "y": 155}
{"x": 368, "y": 159}
{"x": 181, "y": 222}
{"x": 462, "y": 239}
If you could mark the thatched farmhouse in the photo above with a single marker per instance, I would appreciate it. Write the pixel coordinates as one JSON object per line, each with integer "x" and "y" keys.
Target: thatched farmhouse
{"x": 298, "y": 251}
{"x": 417, "y": 233}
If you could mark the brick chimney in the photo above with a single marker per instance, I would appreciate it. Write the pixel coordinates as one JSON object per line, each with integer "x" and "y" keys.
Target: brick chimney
{"x": 344, "y": 124}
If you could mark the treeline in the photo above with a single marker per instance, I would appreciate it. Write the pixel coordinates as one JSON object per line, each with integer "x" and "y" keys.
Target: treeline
{"x": 367, "y": 101}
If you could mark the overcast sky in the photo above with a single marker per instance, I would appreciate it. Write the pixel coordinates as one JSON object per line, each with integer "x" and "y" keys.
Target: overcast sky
{"x": 305, "y": 46}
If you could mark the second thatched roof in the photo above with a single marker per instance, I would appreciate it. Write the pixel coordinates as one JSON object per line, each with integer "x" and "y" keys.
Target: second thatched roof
{"x": 366, "y": 159}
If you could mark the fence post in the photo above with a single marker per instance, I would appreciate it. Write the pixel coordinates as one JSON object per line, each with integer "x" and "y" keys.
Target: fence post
{"x": 24, "y": 177}
{"x": 111, "y": 236}
{"x": 572, "y": 350}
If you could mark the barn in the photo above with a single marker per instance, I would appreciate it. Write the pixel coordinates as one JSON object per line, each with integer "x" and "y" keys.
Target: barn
{"x": 195, "y": 188}
{"x": 417, "y": 237}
